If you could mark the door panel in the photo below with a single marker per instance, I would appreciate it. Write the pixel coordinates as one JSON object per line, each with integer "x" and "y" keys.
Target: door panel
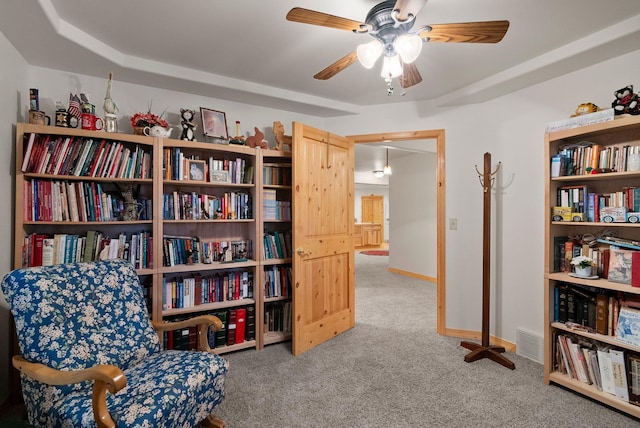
{"x": 324, "y": 273}
{"x": 373, "y": 212}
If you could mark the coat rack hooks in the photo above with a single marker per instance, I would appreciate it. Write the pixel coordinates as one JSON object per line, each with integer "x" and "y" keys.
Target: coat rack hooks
{"x": 492, "y": 177}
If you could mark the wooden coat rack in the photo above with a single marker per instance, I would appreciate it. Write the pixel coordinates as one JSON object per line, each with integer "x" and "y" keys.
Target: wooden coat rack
{"x": 486, "y": 350}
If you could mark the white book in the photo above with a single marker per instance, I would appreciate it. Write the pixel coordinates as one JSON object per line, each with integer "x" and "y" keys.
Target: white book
{"x": 619, "y": 374}
{"x": 47, "y": 251}
{"x": 27, "y": 153}
{"x": 606, "y": 371}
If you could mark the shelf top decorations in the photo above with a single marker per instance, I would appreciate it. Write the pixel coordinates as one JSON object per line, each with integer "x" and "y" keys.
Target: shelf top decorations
{"x": 140, "y": 121}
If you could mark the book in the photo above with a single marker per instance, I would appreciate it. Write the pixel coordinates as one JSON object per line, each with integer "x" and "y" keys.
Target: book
{"x": 27, "y": 152}
{"x": 619, "y": 265}
{"x": 619, "y": 374}
{"x": 602, "y": 313}
{"x": 250, "y": 328}
{"x": 231, "y": 326}
{"x": 606, "y": 371}
{"x": 635, "y": 269}
{"x": 633, "y": 377}
{"x": 628, "y": 328}
{"x": 241, "y": 317}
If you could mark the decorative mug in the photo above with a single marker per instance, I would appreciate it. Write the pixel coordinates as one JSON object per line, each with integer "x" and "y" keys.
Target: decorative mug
{"x": 91, "y": 122}
{"x": 38, "y": 117}
{"x": 65, "y": 120}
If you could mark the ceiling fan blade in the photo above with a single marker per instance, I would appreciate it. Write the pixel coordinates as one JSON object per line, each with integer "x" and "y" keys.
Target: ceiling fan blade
{"x": 337, "y": 66}
{"x": 410, "y": 75}
{"x": 467, "y": 32}
{"x": 408, "y": 7}
{"x": 306, "y": 16}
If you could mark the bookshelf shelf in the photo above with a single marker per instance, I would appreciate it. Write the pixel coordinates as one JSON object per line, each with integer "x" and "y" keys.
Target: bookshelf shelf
{"x": 592, "y": 392}
{"x": 594, "y": 303}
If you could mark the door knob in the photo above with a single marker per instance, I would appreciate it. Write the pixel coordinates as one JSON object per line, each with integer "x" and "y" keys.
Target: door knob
{"x": 302, "y": 252}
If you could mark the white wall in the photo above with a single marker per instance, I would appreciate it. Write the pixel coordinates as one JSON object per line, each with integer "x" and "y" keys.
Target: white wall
{"x": 512, "y": 129}
{"x": 13, "y": 87}
{"x": 412, "y": 219}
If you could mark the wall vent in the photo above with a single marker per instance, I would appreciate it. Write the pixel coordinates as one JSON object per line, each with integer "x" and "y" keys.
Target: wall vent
{"x": 530, "y": 345}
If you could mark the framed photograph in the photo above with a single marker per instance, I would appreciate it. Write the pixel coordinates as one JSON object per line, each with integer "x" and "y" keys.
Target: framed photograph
{"x": 219, "y": 176}
{"x": 196, "y": 170}
{"x": 214, "y": 123}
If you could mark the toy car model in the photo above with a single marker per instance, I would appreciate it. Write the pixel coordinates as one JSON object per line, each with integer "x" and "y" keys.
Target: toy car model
{"x": 613, "y": 214}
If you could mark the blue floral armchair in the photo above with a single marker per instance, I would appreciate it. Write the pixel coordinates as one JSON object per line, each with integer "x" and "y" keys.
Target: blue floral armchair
{"x": 83, "y": 329}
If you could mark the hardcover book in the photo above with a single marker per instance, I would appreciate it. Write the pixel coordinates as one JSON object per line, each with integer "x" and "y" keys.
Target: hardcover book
{"x": 620, "y": 265}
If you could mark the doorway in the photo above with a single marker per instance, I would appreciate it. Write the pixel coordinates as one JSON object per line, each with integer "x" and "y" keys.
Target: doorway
{"x": 438, "y": 136}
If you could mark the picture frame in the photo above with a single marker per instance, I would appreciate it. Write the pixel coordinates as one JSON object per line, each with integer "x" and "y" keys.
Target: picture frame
{"x": 219, "y": 176}
{"x": 196, "y": 170}
{"x": 214, "y": 123}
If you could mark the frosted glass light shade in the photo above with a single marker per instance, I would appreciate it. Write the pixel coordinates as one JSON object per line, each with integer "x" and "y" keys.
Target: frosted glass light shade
{"x": 391, "y": 67}
{"x": 368, "y": 53}
{"x": 386, "y": 170}
{"x": 408, "y": 46}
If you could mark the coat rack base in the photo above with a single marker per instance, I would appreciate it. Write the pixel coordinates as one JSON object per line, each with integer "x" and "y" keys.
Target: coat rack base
{"x": 494, "y": 353}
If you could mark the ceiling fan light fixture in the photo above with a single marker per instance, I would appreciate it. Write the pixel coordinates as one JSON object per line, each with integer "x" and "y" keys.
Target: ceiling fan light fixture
{"x": 391, "y": 67}
{"x": 368, "y": 53}
{"x": 408, "y": 46}
{"x": 378, "y": 174}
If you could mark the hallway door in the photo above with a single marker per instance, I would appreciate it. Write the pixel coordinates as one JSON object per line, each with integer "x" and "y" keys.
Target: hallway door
{"x": 324, "y": 272}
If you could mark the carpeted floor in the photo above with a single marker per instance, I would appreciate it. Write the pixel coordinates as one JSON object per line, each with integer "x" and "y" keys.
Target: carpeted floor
{"x": 392, "y": 370}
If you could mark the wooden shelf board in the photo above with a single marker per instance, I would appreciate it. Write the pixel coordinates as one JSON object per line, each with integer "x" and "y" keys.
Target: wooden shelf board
{"x": 593, "y": 392}
{"x": 207, "y": 307}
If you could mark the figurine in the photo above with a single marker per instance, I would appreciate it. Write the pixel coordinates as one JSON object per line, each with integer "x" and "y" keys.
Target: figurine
{"x": 110, "y": 107}
{"x": 281, "y": 139}
{"x": 257, "y": 140}
{"x": 188, "y": 126}
{"x": 626, "y": 101}
{"x": 238, "y": 138}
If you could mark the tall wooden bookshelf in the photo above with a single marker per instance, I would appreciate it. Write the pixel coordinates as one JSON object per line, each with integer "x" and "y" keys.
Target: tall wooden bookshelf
{"x": 621, "y": 132}
{"x": 276, "y": 246}
{"x": 175, "y": 215}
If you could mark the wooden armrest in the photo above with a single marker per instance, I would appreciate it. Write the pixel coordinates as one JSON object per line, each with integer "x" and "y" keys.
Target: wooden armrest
{"x": 104, "y": 377}
{"x": 202, "y": 321}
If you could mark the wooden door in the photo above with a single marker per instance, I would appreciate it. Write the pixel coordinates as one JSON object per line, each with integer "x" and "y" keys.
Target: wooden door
{"x": 324, "y": 272}
{"x": 373, "y": 211}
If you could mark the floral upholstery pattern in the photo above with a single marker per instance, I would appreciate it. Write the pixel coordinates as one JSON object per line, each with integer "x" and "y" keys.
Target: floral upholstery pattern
{"x": 74, "y": 316}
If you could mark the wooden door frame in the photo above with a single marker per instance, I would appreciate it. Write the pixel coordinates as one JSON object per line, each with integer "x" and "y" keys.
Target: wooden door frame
{"x": 438, "y": 135}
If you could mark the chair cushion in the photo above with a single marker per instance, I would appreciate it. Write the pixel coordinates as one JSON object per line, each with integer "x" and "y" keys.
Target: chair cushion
{"x": 78, "y": 315}
{"x": 168, "y": 389}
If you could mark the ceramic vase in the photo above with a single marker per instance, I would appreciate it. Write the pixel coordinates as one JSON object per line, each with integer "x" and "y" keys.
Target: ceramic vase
{"x": 583, "y": 271}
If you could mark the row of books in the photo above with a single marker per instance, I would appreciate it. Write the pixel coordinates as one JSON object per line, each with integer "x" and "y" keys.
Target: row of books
{"x": 277, "y": 245}
{"x": 594, "y": 310}
{"x": 609, "y": 369}
{"x": 277, "y": 175}
{"x": 63, "y": 155}
{"x": 53, "y": 200}
{"x": 199, "y": 290}
{"x": 197, "y": 206}
{"x": 177, "y": 166}
{"x": 186, "y": 250}
{"x": 277, "y": 281}
{"x": 277, "y": 317}
{"x": 273, "y": 209}
{"x": 583, "y": 157}
{"x": 616, "y": 259}
{"x": 238, "y": 326}
{"x": 45, "y": 250}
{"x": 580, "y": 200}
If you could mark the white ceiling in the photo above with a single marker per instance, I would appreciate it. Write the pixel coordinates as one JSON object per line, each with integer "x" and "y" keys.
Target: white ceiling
{"x": 246, "y": 51}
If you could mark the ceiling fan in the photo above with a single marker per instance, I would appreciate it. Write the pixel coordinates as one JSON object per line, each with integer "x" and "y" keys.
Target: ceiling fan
{"x": 389, "y": 23}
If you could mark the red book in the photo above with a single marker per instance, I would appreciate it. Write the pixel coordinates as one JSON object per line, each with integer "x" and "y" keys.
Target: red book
{"x": 231, "y": 327}
{"x": 37, "y": 249}
{"x": 635, "y": 269}
{"x": 241, "y": 316}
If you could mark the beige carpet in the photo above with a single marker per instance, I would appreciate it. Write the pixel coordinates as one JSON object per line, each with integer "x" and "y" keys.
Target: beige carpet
{"x": 392, "y": 370}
